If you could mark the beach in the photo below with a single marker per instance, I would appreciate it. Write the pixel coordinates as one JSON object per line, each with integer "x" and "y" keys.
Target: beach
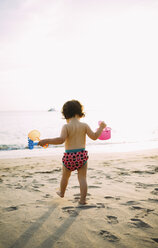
{"x": 121, "y": 210}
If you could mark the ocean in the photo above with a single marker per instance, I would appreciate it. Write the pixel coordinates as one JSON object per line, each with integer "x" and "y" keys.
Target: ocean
{"x": 15, "y": 126}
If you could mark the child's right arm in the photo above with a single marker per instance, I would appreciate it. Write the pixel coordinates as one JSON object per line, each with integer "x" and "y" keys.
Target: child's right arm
{"x": 94, "y": 135}
{"x": 55, "y": 141}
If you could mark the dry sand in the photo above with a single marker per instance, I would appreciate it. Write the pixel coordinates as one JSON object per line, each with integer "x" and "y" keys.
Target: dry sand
{"x": 122, "y": 209}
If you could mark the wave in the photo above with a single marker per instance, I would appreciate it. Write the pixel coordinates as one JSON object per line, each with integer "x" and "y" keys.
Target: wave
{"x": 12, "y": 147}
{"x": 9, "y": 147}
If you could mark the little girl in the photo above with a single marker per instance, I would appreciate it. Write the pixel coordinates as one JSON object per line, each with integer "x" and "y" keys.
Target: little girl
{"x": 74, "y": 135}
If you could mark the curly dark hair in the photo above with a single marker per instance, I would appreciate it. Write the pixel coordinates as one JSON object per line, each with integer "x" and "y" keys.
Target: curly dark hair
{"x": 72, "y": 108}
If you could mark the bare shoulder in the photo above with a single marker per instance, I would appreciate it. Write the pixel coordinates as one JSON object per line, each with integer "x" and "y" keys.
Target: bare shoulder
{"x": 84, "y": 125}
{"x": 87, "y": 128}
{"x": 65, "y": 126}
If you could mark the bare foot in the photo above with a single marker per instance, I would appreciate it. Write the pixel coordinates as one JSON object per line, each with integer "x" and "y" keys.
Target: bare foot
{"x": 59, "y": 194}
{"x": 82, "y": 202}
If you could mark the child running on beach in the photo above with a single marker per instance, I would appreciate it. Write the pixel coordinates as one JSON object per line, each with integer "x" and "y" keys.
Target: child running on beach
{"x": 74, "y": 135}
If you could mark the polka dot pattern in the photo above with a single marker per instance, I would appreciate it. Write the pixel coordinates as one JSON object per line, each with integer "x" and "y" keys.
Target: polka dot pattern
{"x": 75, "y": 160}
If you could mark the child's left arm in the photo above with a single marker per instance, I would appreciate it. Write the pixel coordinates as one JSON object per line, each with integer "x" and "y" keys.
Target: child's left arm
{"x": 95, "y": 135}
{"x": 55, "y": 141}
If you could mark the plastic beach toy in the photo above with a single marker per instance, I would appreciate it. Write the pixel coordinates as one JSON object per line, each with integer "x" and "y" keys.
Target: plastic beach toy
{"x": 106, "y": 133}
{"x": 34, "y": 135}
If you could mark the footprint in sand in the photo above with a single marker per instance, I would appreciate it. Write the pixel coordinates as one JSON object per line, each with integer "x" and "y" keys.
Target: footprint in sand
{"x": 48, "y": 172}
{"x": 11, "y": 208}
{"x": 123, "y": 173}
{"x": 88, "y": 206}
{"x": 108, "y": 236}
{"x": 94, "y": 187}
{"x": 100, "y": 205}
{"x": 27, "y": 176}
{"x": 155, "y": 239}
{"x": 70, "y": 210}
{"x": 138, "y": 223}
{"x": 136, "y": 208}
{"x": 144, "y": 185}
{"x": 18, "y": 186}
{"x": 52, "y": 180}
{"x": 156, "y": 169}
{"x": 75, "y": 187}
{"x": 111, "y": 197}
{"x": 47, "y": 196}
{"x": 112, "y": 219}
{"x": 155, "y": 191}
{"x": 143, "y": 172}
{"x": 147, "y": 210}
{"x": 35, "y": 187}
{"x": 129, "y": 203}
{"x": 153, "y": 200}
{"x": 108, "y": 197}
{"x": 108, "y": 176}
{"x": 142, "y": 212}
{"x": 106, "y": 164}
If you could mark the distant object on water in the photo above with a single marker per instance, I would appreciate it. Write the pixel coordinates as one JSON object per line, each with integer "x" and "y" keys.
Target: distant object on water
{"x": 51, "y": 110}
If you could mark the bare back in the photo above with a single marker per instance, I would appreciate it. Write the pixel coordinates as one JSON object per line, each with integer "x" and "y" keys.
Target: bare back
{"x": 75, "y": 132}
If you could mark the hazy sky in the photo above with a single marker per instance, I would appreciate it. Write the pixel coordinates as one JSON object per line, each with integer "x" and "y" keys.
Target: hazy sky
{"x": 101, "y": 52}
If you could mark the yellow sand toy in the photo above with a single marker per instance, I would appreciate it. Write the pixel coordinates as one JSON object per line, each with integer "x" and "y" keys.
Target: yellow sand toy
{"x": 33, "y": 136}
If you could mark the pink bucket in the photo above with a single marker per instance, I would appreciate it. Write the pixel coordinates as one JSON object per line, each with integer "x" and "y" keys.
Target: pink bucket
{"x": 106, "y": 134}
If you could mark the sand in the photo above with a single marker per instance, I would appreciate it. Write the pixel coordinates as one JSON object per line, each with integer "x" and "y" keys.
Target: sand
{"x": 122, "y": 209}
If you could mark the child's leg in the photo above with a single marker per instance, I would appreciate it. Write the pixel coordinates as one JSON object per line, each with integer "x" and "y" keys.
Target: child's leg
{"x": 64, "y": 181}
{"x": 82, "y": 174}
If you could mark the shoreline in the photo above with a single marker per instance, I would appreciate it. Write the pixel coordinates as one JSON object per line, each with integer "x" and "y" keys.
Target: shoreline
{"x": 96, "y": 149}
{"x": 106, "y": 154}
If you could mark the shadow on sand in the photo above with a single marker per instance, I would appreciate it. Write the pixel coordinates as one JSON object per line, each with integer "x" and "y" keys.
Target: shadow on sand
{"x": 51, "y": 240}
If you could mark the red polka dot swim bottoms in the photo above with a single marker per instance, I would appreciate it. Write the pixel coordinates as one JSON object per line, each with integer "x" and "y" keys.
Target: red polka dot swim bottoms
{"x": 75, "y": 159}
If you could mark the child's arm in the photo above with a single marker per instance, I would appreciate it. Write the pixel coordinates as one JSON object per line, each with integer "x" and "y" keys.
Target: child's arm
{"x": 95, "y": 135}
{"x": 55, "y": 141}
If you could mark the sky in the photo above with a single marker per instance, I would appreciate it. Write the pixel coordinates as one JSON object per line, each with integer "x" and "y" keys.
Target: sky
{"x": 103, "y": 53}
